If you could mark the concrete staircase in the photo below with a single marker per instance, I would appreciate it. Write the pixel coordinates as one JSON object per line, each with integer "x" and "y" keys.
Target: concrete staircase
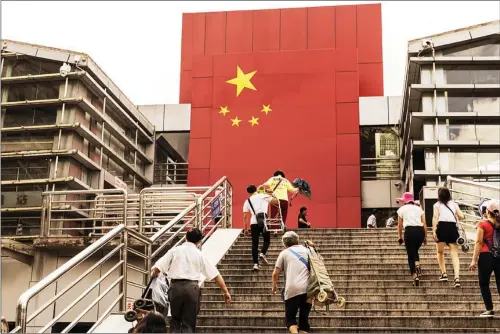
{"x": 370, "y": 270}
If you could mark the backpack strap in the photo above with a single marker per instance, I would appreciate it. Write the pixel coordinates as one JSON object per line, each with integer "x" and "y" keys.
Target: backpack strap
{"x": 490, "y": 247}
{"x": 278, "y": 184}
{"x": 304, "y": 261}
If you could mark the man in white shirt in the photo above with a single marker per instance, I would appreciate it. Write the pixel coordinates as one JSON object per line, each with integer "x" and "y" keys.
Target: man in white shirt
{"x": 184, "y": 266}
{"x": 257, "y": 205}
{"x": 372, "y": 220}
{"x": 391, "y": 221}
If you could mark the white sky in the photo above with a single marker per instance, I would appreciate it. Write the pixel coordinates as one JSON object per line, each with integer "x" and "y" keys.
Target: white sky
{"x": 137, "y": 43}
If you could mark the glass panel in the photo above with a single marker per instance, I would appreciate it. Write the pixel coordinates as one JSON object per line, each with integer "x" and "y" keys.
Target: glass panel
{"x": 488, "y": 132}
{"x": 430, "y": 159}
{"x": 25, "y": 169}
{"x": 473, "y": 103}
{"x": 489, "y": 161}
{"x": 458, "y": 161}
{"x": 23, "y": 67}
{"x": 471, "y": 74}
{"x": 29, "y": 116}
{"x": 428, "y": 130}
{"x": 491, "y": 49}
{"x": 26, "y": 143}
{"x": 461, "y": 132}
{"x": 30, "y": 92}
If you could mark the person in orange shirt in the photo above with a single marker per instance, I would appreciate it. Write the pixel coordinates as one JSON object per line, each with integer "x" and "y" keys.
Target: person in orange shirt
{"x": 280, "y": 186}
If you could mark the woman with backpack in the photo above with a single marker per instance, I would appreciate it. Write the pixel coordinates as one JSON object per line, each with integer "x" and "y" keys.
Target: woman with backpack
{"x": 445, "y": 232}
{"x": 487, "y": 255}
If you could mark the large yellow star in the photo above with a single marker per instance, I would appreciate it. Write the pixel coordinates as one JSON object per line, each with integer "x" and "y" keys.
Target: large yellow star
{"x": 266, "y": 109}
{"x": 235, "y": 121}
{"x": 242, "y": 80}
{"x": 223, "y": 111}
{"x": 254, "y": 121}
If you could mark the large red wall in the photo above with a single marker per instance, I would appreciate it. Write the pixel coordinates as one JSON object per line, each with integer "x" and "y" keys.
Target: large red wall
{"x": 312, "y": 65}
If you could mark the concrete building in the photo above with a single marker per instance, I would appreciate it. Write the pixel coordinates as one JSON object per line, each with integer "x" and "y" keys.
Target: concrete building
{"x": 65, "y": 125}
{"x": 450, "y": 116}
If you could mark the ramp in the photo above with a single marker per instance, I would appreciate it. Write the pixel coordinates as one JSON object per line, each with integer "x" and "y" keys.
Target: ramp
{"x": 114, "y": 323}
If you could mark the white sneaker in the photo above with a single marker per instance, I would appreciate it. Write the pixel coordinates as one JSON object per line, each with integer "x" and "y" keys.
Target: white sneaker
{"x": 263, "y": 258}
{"x": 256, "y": 267}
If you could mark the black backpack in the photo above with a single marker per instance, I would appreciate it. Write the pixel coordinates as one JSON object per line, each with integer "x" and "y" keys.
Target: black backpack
{"x": 495, "y": 247}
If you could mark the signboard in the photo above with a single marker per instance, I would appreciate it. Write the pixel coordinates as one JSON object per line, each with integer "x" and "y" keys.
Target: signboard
{"x": 216, "y": 207}
{"x": 21, "y": 199}
{"x": 120, "y": 184}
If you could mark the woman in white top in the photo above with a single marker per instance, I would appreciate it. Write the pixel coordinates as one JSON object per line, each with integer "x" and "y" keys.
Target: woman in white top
{"x": 412, "y": 218}
{"x": 445, "y": 231}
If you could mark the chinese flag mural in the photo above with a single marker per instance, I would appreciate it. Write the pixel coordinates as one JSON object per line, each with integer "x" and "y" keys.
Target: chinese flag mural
{"x": 267, "y": 94}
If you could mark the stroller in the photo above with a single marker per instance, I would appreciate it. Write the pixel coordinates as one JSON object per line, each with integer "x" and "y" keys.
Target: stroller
{"x": 153, "y": 299}
{"x": 320, "y": 286}
{"x": 462, "y": 240}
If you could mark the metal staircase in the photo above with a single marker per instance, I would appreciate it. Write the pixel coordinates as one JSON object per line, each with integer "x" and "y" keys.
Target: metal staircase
{"x": 126, "y": 233}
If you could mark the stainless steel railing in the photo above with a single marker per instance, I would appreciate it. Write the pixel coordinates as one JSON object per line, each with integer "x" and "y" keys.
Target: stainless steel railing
{"x": 167, "y": 173}
{"x": 380, "y": 169}
{"x": 469, "y": 194}
{"x": 117, "y": 248}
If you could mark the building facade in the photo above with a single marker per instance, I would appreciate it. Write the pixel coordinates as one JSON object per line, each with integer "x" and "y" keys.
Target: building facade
{"x": 450, "y": 117}
{"x": 307, "y": 68}
{"x": 65, "y": 125}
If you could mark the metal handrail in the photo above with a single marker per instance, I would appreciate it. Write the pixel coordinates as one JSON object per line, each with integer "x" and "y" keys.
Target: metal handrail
{"x": 450, "y": 180}
{"x": 124, "y": 233}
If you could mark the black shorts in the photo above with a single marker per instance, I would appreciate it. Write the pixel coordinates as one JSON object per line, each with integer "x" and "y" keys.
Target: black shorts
{"x": 447, "y": 232}
{"x": 298, "y": 304}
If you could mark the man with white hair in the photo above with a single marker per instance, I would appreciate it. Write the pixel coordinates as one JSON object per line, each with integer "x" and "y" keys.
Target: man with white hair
{"x": 293, "y": 260}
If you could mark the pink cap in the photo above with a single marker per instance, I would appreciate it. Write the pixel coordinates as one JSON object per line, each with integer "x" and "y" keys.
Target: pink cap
{"x": 407, "y": 198}
{"x": 493, "y": 206}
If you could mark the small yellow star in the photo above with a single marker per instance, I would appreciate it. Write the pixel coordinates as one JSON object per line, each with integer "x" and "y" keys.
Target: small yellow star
{"x": 236, "y": 121}
{"x": 242, "y": 80}
{"x": 254, "y": 121}
{"x": 223, "y": 111}
{"x": 266, "y": 109}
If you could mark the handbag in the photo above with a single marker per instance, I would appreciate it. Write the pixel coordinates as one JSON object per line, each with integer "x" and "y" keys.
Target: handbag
{"x": 259, "y": 217}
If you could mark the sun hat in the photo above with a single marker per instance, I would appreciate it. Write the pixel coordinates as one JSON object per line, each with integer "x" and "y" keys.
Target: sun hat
{"x": 407, "y": 198}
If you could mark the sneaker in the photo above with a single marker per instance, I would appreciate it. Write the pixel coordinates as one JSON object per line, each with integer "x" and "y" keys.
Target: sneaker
{"x": 418, "y": 270}
{"x": 263, "y": 258}
{"x": 443, "y": 278}
{"x": 487, "y": 314}
{"x": 256, "y": 267}
{"x": 457, "y": 282}
{"x": 416, "y": 281}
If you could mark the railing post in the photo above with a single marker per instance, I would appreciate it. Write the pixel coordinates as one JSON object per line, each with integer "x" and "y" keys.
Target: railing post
{"x": 199, "y": 212}
{"x": 141, "y": 213}
{"x": 123, "y": 271}
{"x": 49, "y": 215}
{"x": 225, "y": 205}
{"x": 42, "y": 216}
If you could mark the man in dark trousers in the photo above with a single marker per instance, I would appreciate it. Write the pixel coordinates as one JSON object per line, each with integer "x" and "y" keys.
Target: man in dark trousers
{"x": 184, "y": 266}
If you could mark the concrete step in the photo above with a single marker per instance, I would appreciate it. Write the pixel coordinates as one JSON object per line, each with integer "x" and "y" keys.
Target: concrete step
{"x": 395, "y": 285}
{"x": 353, "y": 321}
{"x": 350, "y": 249}
{"x": 352, "y": 305}
{"x": 281, "y": 329}
{"x": 339, "y": 275}
{"x": 357, "y": 258}
{"x": 424, "y": 289}
{"x": 367, "y": 265}
{"x": 408, "y": 297}
{"x": 346, "y": 312}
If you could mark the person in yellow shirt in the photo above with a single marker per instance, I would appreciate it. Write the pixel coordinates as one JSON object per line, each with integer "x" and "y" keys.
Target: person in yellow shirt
{"x": 280, "y": 186}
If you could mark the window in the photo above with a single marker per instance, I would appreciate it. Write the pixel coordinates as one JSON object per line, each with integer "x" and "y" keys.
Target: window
{"x": 457, "y": 160}
{"x": 473, "y": 103}
{"x": 480, "y": 49}
{"x": 26, "y": 142}
{"x": 33, "y": 91}
{"x": 489, "y": 160}
{"x": 29, "y": 116}
{"x": 32, "y": 66}
{"x": 472, "y": 74}
{"x": 25, "y": 169}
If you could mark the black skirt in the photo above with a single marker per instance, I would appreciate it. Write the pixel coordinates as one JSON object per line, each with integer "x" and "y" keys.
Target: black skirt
{"x": 447, "y": 232}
